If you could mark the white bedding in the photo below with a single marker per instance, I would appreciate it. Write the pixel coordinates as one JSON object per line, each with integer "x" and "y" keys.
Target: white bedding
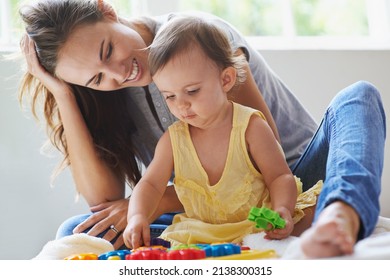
{"x": 377, "y": 246}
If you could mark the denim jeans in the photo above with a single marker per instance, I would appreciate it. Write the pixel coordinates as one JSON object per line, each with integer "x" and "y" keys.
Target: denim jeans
{"x": 347, "y": 152}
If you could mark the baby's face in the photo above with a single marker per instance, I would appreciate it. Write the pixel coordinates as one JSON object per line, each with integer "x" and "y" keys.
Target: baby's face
{"x": 192, "y": 85}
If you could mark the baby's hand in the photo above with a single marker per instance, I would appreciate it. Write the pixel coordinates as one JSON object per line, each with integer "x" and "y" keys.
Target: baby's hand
{"x": 137, "y": 232}
{"x": 281, "y": 233}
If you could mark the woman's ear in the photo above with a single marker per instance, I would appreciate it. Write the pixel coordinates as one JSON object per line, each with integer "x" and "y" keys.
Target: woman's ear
{"x": 107, "y": 10}
{"x": 228, "y": 78}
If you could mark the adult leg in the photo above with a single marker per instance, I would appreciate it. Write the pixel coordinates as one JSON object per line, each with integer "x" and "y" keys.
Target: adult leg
{"x": 350, "y": 142}
{"x": 67, "y": 227}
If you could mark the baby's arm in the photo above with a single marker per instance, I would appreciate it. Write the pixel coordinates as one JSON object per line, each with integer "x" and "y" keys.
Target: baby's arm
{"x": 270, "y": 161}
{"x": 147, "y": 194}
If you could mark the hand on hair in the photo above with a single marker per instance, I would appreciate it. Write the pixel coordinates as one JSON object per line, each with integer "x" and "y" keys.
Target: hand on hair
{"x": 34, "y": 67}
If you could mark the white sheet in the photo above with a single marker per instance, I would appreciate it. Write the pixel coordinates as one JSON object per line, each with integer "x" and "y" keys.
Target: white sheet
{"x": 376, "y": 247}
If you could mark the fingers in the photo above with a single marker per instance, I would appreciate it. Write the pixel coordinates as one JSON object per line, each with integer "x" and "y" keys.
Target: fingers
{"x": 118, "y": 242}
{"x": 96, "y": 223}
{"x": 137, "y": 236}
{"x": 146, "y": 236}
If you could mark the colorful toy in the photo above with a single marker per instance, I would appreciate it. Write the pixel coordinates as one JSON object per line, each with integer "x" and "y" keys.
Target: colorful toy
{"x": 159, "y": 241}
{"x": 264, "y": 217}
{"x": 152, "y": 253}
{"x": 115, "y": 255}
{"x": 219, "y": 251}
{"x": 86, "y": 256}
{"x": 156, "y": 230}
{"x": 248, "y": 255}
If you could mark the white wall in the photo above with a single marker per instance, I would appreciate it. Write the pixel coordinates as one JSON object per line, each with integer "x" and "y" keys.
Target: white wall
{"x": 31, "y": 210}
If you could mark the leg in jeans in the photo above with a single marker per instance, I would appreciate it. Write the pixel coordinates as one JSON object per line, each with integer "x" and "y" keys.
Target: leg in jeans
{"x": 347, "y": 152}
{"x": 66, "y": 228}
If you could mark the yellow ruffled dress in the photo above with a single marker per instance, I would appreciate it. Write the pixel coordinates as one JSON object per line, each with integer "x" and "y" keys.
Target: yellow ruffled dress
{"x": 219, "y": 213}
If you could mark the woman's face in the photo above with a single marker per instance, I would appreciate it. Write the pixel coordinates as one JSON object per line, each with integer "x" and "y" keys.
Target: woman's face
{"x": 106, "y": 55}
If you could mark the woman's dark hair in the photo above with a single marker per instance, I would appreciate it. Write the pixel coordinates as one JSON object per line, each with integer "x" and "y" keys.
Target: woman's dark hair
{"x": 49, "y": 23}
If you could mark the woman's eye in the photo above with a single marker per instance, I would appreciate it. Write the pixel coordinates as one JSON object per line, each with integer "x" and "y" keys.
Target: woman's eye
{"x": 98, "y": 79}
{"x": 109, "y": 51}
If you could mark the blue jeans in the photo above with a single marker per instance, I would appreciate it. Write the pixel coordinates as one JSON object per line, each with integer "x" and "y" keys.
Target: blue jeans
{"x": 347, "y": 152}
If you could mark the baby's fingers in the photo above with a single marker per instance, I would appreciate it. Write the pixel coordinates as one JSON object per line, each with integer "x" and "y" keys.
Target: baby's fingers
{"x": 146, "y": 235}
{"x": 136, "y": 240}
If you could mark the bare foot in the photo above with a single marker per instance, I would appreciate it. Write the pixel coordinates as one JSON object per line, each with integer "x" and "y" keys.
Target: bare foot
{"x": 334, "y": 233}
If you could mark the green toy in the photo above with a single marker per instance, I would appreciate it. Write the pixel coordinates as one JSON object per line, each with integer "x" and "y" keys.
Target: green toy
{"x": 263, "y": 217}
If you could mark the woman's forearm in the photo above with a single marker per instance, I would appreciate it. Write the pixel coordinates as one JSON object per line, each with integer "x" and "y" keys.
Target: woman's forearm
{"x": 95, "y": 181}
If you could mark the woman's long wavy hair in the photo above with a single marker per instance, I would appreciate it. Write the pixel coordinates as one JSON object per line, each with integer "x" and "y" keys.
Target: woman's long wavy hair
{"x": 49, "y": 23}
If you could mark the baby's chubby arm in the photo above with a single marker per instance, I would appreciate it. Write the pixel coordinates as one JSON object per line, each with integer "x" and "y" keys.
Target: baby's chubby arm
{"x": 269, "y": 158}
{"x": 147, "y": 194}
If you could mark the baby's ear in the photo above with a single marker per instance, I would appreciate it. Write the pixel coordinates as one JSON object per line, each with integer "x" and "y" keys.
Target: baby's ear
{"x": 107, "y": 10}
{"x": 229, "y": 77}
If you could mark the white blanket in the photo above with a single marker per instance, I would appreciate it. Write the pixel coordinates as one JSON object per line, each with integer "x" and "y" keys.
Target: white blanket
{"x": 377, "y": 246}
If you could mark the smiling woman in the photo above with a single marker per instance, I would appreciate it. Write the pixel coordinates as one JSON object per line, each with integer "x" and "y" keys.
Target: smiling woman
{"x": 109, "y": 63}
{"x": 106, "y": 135}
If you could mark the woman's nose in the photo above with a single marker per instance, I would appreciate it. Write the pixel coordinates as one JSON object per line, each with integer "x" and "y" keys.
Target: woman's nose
{"x": 117, "y": 72}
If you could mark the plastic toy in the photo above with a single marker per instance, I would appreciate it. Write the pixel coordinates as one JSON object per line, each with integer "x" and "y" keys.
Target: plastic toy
{"x": 263, "y": 217}
{"x": 186, "y": 254}
{"x": 159, "y": 241}
{"x": 248, "y": 255}
{"x": 115, "y": 255}
{"x": 219, "y": 250}
{"x": 147, "y": 254}
{"x": 156, "y": 230}
{"x": 86, "y": 256}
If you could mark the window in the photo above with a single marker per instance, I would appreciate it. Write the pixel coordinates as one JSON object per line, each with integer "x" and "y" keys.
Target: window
{"x": 11, "y": 26}
{"x": 266, "y": 23}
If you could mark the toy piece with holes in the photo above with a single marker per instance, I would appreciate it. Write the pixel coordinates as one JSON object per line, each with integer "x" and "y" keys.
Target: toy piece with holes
{"x": 115, "y": 255}
{"x": 263, "y": 217}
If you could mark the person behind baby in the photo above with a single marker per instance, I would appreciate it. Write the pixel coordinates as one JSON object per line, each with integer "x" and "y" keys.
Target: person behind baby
{"x": 77, "y": 51}
{"x": 225, "y": 156}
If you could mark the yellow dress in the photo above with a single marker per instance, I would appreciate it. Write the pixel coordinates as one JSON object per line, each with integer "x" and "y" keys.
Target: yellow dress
{"x": 219, "y": 213}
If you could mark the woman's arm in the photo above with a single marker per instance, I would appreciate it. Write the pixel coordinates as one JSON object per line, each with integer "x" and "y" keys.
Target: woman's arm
{"x": 248, "y": 94}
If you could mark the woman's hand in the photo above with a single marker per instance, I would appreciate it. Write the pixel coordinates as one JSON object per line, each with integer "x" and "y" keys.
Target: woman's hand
{"x": 281, "y": 233}
{"x": 53, "y": 84}
{"x": 107, "y": 214}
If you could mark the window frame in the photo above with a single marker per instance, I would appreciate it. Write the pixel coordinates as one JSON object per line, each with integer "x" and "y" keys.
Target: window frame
{"x": 378, "y": 13}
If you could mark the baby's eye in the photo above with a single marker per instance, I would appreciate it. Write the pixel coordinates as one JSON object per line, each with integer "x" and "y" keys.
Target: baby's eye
{"x": 193, "y": 91}
{"x": 169, "y": 97}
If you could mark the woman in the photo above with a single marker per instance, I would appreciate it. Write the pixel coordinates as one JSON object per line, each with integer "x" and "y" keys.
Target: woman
{"x": 77, "y": 49}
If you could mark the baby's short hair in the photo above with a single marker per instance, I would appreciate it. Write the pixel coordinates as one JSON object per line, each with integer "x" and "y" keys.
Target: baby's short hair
{"x": 182, "y": 33}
